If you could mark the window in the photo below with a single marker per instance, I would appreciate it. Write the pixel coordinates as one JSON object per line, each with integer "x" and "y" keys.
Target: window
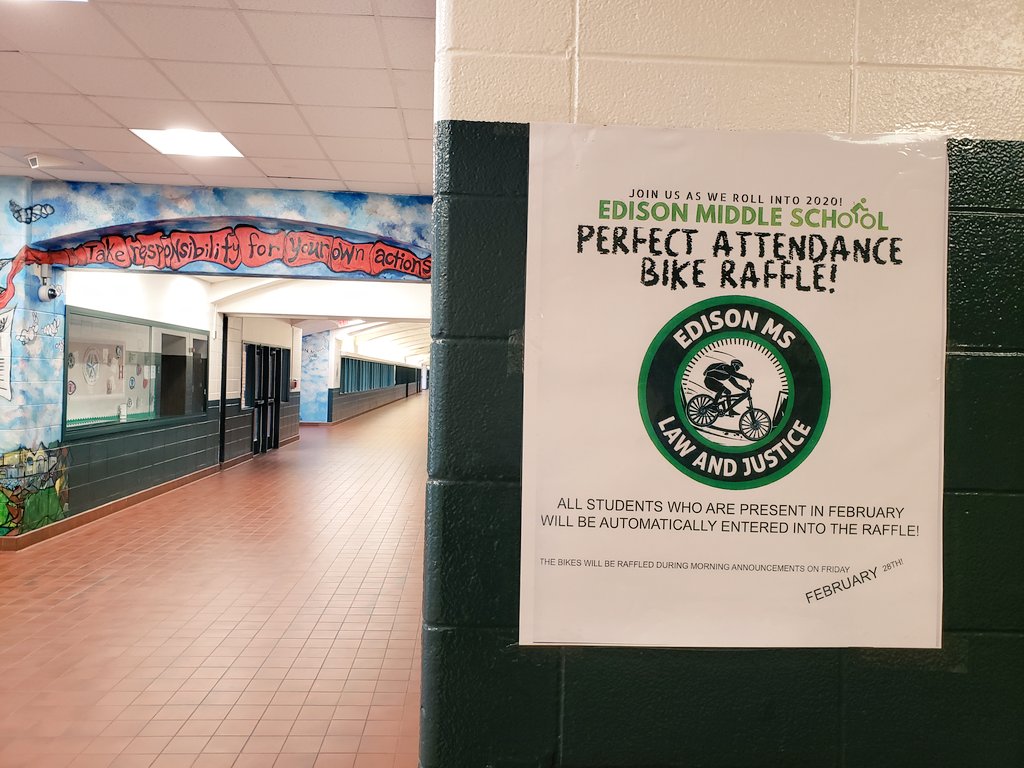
{"x": 125, "y": 370}
{"x": 361, "y": 375}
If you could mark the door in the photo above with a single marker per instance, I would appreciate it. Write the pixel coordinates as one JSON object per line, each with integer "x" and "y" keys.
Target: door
{"x": 266, "y": 396}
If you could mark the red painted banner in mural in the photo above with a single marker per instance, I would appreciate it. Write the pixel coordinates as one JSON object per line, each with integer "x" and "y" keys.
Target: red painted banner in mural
{"x": 234, "y": 247}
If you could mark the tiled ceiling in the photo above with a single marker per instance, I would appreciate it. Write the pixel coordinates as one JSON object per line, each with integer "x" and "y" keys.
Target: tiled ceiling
{"x": 317, "y": 94}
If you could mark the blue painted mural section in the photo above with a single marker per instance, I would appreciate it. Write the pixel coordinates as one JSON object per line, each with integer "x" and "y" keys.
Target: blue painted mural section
{"x": 316, "y": 367}
{"x": 33, "y": 468}
{"x": 84, "y": 206}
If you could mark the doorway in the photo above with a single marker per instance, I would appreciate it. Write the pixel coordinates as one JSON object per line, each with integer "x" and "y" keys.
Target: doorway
{"x": 263, "y": 367}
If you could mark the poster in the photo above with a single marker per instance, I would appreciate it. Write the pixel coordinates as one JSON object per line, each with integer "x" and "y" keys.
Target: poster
{"x": 733, "y": 397}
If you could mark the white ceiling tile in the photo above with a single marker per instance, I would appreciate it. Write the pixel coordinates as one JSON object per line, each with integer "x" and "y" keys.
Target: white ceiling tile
{"x": 99, "y": 177}
{"x": 8, "y": 117}
{"x": 415, "y": 88}
{"x": 103, "y": 76}
{"x": 318, "y": 41}
{"x": 422, "y": 151}
{"x": 423, "y": 9}
{"x": 249, "y": 182}
{"x": 424, "y": 174}
{"x": 410, "y": 42}
{"x": 269, "y": 145}
{"x": 303, "y": 169}
{"x": 30, "y": 174}
{"x": 255, "y": 118}
{"x": 24, "y": 135}
{"x": 321, "y": 184}
{"x": 192, "y": 34}
{"x": 153, "y": 113}
{"x": 338, "y": 87}
{"x": 135, "y": 162}
{"x": 365, "y": 150}
{"x": 347, "y": 7}
{"x": 426, "y": 189}
{"x": 220, "y": 166}
{"x": 57, "y": 109}
{"x": 419, "y": 123}
{"x": 355, "y": 122}
{"x": 102, "y": 139}
{"x": 7, "y": 162}
{"x": 352, "y": 172}
{"x": 225, "y": 82}
{"x": 385, "y": 187}
{"x": 75, "y": 28}
{"x": 19, "y": 73}
{"x": 174, "y": 179}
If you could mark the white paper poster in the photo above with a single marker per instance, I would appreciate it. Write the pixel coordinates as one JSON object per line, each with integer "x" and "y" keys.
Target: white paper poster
{"x": 733, "y": 407}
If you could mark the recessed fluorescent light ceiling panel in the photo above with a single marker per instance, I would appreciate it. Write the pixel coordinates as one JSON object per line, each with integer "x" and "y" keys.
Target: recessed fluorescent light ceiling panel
{"x": 185, "y": 141}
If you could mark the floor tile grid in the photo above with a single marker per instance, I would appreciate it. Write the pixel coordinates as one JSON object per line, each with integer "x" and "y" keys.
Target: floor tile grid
{"x": 269, "y": 615}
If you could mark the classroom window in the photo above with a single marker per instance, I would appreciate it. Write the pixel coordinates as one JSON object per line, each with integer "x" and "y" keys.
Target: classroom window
{"x": 126, "y": 370}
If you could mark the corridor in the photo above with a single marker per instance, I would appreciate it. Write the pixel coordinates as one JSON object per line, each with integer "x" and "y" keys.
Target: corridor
{"x": 265, "y": 617}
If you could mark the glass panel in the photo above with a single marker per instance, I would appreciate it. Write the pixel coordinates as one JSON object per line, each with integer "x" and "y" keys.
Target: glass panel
{"x": 199, "y": 374}
{"x": 173, "y": 372}
{"x": 111, "y": 371}
{"x": 125, "y": 371}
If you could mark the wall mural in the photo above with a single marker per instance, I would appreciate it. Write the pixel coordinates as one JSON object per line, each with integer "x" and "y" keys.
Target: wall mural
{"x": 240, "y": 245}
{"x": 257, "y": 232}
{"x": 33, "y": 488}
{"x": 316, "y": 360}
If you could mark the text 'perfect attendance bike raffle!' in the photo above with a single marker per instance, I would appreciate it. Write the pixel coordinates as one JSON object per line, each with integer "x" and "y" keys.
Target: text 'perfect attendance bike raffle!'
{"x": 733, "y": 414}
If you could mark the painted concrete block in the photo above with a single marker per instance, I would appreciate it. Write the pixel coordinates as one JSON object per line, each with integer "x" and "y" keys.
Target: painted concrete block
{"x": 487, "y": 701}
{"x": 730, "y": 96}
{"x": 476, "y": 411}
{"x": 949, "y": 33}
{"x": 720, "y": 29}
{"x": 477, "y": 158}
{"x": 982, "y": 586}
{"x": 959, "y": 102}
{"x": 479, "y": 257}
{"x": 957, "y": 706}
{"x": 986, "y": 306}
{"x": 646, "y": 708}
{"x": 472, "y": 554}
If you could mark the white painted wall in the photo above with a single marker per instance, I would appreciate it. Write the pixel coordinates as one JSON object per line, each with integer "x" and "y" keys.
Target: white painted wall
{"x": 162, "y": 298}
{"x": 835, "y": 65}
{"x": 332, "y": 298}
{"x": 267, "y": 330}
{"x": 234, "y": 366}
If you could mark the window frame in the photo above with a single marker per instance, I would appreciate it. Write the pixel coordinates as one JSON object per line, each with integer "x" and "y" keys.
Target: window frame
{"x": 94, "y": 430}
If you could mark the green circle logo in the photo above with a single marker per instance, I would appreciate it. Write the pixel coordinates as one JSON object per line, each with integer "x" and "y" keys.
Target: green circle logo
{"x": 734, "y": 392}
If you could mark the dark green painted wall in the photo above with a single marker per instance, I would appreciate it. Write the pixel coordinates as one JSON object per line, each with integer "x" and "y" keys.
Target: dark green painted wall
{"x": 489, "y": 703}
{"x": 112, "y": 466}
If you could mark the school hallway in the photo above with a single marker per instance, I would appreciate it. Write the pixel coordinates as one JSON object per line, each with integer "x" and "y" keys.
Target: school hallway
{"x": 267, "y": 616}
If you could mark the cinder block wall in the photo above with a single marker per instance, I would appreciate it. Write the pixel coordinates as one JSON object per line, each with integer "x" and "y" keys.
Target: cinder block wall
{"x": 488, "y": 702}
{"x": 782, "y": 65}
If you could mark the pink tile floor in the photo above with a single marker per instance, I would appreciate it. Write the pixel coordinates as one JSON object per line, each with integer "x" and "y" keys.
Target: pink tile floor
{"x": 265, "y": 617}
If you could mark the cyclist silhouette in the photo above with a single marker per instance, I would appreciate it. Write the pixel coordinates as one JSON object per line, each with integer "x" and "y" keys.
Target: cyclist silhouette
{"x": 717, "y": 374}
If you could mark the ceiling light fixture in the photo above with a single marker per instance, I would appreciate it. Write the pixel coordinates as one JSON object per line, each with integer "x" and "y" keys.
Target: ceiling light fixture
{"x": 185, "y": 141}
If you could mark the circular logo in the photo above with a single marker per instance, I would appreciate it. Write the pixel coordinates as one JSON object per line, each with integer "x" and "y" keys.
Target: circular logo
{"x": 734, "y": 392}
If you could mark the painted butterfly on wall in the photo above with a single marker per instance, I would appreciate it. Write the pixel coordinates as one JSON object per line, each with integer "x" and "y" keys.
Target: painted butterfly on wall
{"x": 30, "y": 213}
